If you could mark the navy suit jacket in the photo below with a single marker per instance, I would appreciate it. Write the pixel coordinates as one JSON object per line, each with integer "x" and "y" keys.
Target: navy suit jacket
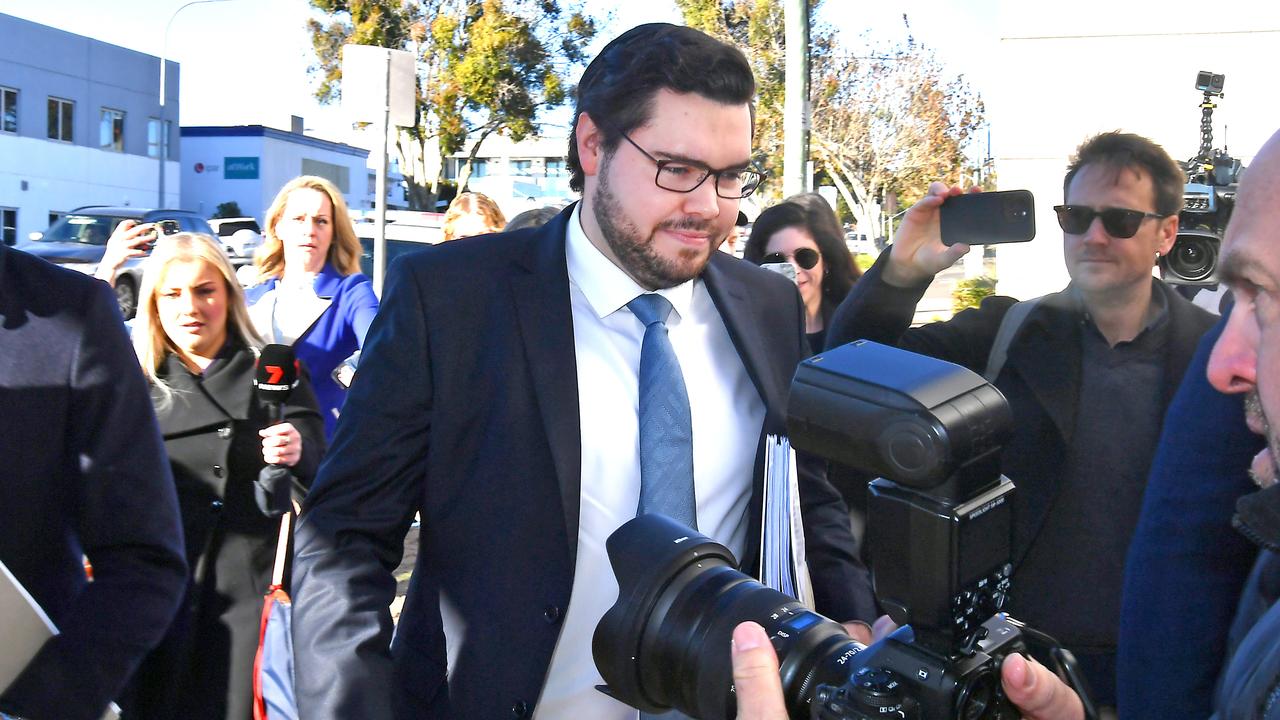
{"x": 465, "y": 407}
{"x": 82, "y": 473}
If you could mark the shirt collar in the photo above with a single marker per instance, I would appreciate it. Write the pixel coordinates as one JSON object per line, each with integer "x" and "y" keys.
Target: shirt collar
{"x": 606, "y": 286}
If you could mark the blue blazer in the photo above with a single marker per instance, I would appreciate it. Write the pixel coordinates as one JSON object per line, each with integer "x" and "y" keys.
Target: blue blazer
{"x": 335, "y": 334}
{"x": 82, "y": 473}
{"x": 465, "y": 408}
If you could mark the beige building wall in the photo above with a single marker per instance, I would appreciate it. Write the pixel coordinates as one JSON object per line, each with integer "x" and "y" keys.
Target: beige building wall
{"x": 1067, "y": 71}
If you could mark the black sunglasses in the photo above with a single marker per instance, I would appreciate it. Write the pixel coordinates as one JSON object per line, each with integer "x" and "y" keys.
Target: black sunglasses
{"x": 806, "y": 258}
{"x": 1118, "y": 222}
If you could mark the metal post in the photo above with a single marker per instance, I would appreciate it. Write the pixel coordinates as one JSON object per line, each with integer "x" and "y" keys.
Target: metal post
{"x": 164, "y": 131}
{"x": 380, "y": 192}
{"x": 795, "y": 124}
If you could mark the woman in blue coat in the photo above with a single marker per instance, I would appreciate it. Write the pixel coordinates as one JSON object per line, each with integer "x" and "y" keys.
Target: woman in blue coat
{"x": 310, "y": 292}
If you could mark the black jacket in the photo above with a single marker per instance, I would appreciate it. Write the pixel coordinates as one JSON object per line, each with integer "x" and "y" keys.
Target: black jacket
{"x": 82, "y": 473}
{"x": 210, "y": 427}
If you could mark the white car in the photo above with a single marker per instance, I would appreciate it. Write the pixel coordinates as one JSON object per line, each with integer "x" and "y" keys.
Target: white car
{"x": 240, "y": 237}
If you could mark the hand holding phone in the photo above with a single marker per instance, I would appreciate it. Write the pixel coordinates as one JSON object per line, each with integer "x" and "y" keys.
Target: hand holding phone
{"x": 988, "y": 218}
{"x": 783, "y": 268}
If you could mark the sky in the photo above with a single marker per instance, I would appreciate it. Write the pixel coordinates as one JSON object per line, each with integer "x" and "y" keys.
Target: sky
{"x": 245, "y": 61}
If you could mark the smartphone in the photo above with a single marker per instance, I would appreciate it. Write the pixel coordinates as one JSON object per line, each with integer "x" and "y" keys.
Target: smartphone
{"x": 168, "y": 227}
{"x": 783, "y": 268}
{"x": 988, "y": 218}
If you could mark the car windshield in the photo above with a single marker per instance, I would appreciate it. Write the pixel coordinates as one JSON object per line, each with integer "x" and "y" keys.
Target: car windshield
{"x": 85, "y": 229}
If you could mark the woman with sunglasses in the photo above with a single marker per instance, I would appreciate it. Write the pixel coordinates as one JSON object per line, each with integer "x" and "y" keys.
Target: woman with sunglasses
{"x": 824, "y": 268}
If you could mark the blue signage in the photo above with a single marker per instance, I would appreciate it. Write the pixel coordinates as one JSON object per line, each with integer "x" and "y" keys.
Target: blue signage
{"x": 240, "y": 168}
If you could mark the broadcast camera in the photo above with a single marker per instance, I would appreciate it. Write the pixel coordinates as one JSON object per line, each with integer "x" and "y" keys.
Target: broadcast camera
{"x": 940, "y": 531}
{"x": 1207, "y": 200}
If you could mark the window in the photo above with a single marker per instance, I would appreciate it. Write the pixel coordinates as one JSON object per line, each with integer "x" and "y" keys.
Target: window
{"x": 61, "y": 119}
{"x": 9, "y": 225}
{"x": 55, "y": 217}
{"x": 521, "y": 167}
{"x": 111, "y": 130}
{"x": 8, "y": 110}
{"x": 479, "y": 168}
{"x": 154, "y": 138}
{"x": 556, "y": 168}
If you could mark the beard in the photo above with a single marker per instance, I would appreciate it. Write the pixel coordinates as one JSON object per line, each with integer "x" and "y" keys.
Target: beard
{"x": 1263, "y": 469}
{"x": 636, "y": 253}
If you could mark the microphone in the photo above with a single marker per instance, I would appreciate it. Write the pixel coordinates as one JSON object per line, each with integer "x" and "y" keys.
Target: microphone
{"x": 275, "y": 376}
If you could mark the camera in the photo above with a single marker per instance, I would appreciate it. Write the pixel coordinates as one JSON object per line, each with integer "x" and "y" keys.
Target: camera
{"x": 940, "y": 528}
{"x": 1207, "y": 200}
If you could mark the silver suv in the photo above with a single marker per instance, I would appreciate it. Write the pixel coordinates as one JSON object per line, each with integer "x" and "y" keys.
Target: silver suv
{"x": 79, "y": 239}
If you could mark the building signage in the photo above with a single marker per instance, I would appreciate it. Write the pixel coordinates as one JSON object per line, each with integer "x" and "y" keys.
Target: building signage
{"x": 240, "y": 168}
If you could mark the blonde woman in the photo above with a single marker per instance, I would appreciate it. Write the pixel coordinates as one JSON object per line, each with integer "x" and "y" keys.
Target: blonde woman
{"x": 310, "y": 292}
{"x": 197, "y": 348}
{"x": 472, "y": 213}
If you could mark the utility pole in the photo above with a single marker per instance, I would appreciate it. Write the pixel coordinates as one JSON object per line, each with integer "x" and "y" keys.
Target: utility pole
{"x": 795, "y": 123}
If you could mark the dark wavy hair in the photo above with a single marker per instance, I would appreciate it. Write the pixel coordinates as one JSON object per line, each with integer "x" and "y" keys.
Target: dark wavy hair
{"x": 820, "y": 222}
{"x": 617, "y": 88}
{"x": 1117, "y": 151}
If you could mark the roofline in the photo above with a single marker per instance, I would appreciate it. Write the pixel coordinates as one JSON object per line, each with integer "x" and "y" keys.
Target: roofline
{"x": 269, "y": 132}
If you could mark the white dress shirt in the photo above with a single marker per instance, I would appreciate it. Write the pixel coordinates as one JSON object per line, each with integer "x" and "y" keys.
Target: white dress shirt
{"x": 727, "y": 414}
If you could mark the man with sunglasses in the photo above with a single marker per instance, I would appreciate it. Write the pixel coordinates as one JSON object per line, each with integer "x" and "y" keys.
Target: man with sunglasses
{"x": 1088, "y": 372}
{"x": 529, "y": 392}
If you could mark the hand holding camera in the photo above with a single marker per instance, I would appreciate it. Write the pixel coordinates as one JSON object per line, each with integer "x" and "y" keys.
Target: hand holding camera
{"x": 131, "y": 239}
{"x": 918, "y": 253}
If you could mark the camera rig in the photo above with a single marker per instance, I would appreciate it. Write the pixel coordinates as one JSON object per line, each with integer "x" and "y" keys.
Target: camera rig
{"x": 1207, "y": 199}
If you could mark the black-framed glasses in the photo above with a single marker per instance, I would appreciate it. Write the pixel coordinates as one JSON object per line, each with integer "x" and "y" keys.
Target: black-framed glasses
{"x": 806, "y": 258}
{"x": 1118, "y": 222}
{"x": 684, "y": 177}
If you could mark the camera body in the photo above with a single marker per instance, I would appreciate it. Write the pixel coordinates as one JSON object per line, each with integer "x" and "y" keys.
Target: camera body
{"x": 940, "y": 523}
{"x": 1207, "y": 200}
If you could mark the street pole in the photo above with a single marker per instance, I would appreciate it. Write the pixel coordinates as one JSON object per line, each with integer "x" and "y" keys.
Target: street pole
{"x": 795, "y": 123}
{"x": 380, "y": 192}
{"x": 164, "y": 131}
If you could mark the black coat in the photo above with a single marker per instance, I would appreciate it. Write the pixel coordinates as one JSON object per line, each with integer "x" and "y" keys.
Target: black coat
{"x": 82, "y": 473}
{"x": 204, "y": 667}
{"x": 466, "y": 408}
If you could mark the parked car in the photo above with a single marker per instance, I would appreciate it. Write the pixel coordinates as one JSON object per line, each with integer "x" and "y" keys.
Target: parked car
{"x": 79, "y": 239}
{"x": 240, "y": 237}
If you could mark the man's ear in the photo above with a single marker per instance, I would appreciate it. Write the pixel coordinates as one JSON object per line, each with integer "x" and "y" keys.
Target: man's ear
{"x": 1168, "y": 235}
{"x": 590, "y": 142}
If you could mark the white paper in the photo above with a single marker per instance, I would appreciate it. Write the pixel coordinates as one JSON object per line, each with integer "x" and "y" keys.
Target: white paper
{"x": 783, "y": 565}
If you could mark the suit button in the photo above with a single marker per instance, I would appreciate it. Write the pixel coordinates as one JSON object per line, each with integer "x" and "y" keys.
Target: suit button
{"x": 217, "y": 471}
{"x": 224, "y": 432}
{"x": 216, "y": 505}
{"x": 552, "y": 614}
{"x": 521, "y": 709}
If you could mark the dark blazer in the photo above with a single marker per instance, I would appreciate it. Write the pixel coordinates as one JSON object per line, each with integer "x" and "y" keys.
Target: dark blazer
{"x": 1040, "y": 377}
{"x": 82, "y": 472}
{"x": 466, "y": 408}
{"x": 334, "y": 335}
{"x": 203, "y": 668}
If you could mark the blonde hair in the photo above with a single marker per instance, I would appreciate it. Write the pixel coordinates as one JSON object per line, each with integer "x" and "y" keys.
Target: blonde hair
{"x": 344, "y": 249}
{"x": 472, "y": 203}
{"x": 149, "y": 339}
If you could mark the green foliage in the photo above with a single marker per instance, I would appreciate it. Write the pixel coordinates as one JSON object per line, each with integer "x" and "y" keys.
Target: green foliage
{"x": 864, "y": 261}
{"x": 968, "y": 293}
{"x": 484, "y": 66}
{"x": 228, "y": 209}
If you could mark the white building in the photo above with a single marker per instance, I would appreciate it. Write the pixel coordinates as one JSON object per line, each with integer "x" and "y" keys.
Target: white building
{"x": 248, "y": 164}
{"x": 79, "y": 125}
{"x": 518, "y": 176}
{"x": 1071, "y": 71}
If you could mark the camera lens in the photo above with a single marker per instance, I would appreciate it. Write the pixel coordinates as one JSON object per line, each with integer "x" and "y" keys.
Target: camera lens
{"x": 665, "y": 644}
{"x": 1193, "y": 258}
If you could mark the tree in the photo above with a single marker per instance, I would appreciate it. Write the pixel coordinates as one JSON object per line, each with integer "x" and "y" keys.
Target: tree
{"x": 228, "y": 209}
{"x": 888, "y": 123}
{"x": 756, "y": 27}
{"x": 484, "y": 67}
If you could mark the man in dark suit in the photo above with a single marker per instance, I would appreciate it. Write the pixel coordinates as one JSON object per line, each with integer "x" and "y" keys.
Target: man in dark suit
{"x": 499, "y": 396}
{"x": 83, "y": 475}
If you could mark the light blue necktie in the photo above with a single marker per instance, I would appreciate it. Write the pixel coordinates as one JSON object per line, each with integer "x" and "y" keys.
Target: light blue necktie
{"x": 666, "y": 424}
{"x": 666, "y": 428}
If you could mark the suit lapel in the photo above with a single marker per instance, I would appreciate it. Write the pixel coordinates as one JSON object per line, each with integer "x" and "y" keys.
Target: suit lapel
{"x": 540, "y": 287}
{"x": 1047, "y": 355}
{"x": 747, "y": 329}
